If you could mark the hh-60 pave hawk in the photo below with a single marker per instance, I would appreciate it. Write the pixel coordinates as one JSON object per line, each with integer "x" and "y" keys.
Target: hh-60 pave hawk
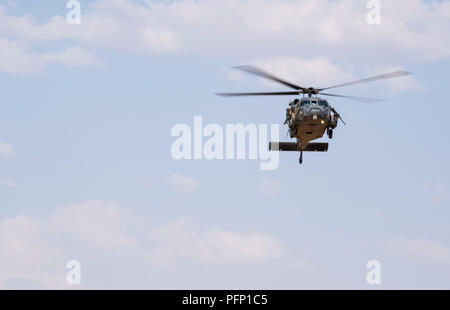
{"x": 310, "y": 116}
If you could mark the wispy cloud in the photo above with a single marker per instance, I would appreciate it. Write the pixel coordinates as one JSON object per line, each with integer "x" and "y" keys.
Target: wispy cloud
{"x": 182, "y": 240}
{"x": 6, "y": 149}
{"x": 8, "y": 183}
{"x": 16, "y": 58}
{"x": 183, "y": 183}
{"x": 422, "y": 248}
{"x": 217, "y": 27}
{"x": 437, "y": 191}
{"x": 269, "y": 188}
{"x": 31, "y": 247}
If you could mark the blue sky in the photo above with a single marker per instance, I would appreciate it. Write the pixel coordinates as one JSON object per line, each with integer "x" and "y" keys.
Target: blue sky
{"x": 87, "y": 111}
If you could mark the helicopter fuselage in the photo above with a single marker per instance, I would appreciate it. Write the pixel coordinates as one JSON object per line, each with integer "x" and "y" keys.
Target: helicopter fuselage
{"x": 308, "y": 119}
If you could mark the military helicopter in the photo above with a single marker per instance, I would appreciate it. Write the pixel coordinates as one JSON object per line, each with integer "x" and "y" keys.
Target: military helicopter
{"x": 310, "y": 116}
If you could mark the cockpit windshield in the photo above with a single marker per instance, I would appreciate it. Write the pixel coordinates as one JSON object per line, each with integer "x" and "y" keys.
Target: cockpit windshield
{"x": 323, "y": 103}
{"x": 304, "y": 103}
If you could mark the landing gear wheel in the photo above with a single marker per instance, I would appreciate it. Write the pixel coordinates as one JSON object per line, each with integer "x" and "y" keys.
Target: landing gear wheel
{"x": 330, "y": 133}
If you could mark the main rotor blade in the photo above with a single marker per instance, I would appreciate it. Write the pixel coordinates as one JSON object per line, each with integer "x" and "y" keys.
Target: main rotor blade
{"x": 259, "y": 94}
{"x": 373, "y": 78}
{"x": 360, "y": 99}
{"x": 261, "y": 73}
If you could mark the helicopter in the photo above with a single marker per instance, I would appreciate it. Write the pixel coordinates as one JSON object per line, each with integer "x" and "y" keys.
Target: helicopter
{"x": 310, "y": 116}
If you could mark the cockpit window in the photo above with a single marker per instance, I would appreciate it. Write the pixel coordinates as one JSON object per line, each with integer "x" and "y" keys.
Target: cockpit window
{"x": 323, "y": 103}
{"x": 304, "y": 103}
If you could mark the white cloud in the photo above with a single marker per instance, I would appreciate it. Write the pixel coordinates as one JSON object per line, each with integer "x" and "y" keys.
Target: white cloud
{"x": 437, "y": 191}
{"x": 248, "y": 247}
{"x": 315, "y": 42}
{"x": 293, "y": 28}
{"x": 398, "y": 84}
{"x": 118, "y": 24}
{"x": 149, "y": 182}
{"x": 26, "y": 255}
{"x": 178, "y": 182}
{"x": 8, "y": 183}
{"x": 233, "y": 75}
{"x": 100, "y": 224}
{"x": 322, "y": 72}
{"x": 72, "y": 56}
{"x": 287, "y": 27}
{"x": 6, "y": 149}
{"x": 182, "y": 183}
{"x": 292, "y": 212}
{"x": 181, "y": 240}
{"x": 313, "y": 72}
{"x": 15, "y": 58}
{"x": 34, "y": 251}
{"x": 422, "y": 248}
{"x": 11, "y": 3}
{"x": 269, "y": 188}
